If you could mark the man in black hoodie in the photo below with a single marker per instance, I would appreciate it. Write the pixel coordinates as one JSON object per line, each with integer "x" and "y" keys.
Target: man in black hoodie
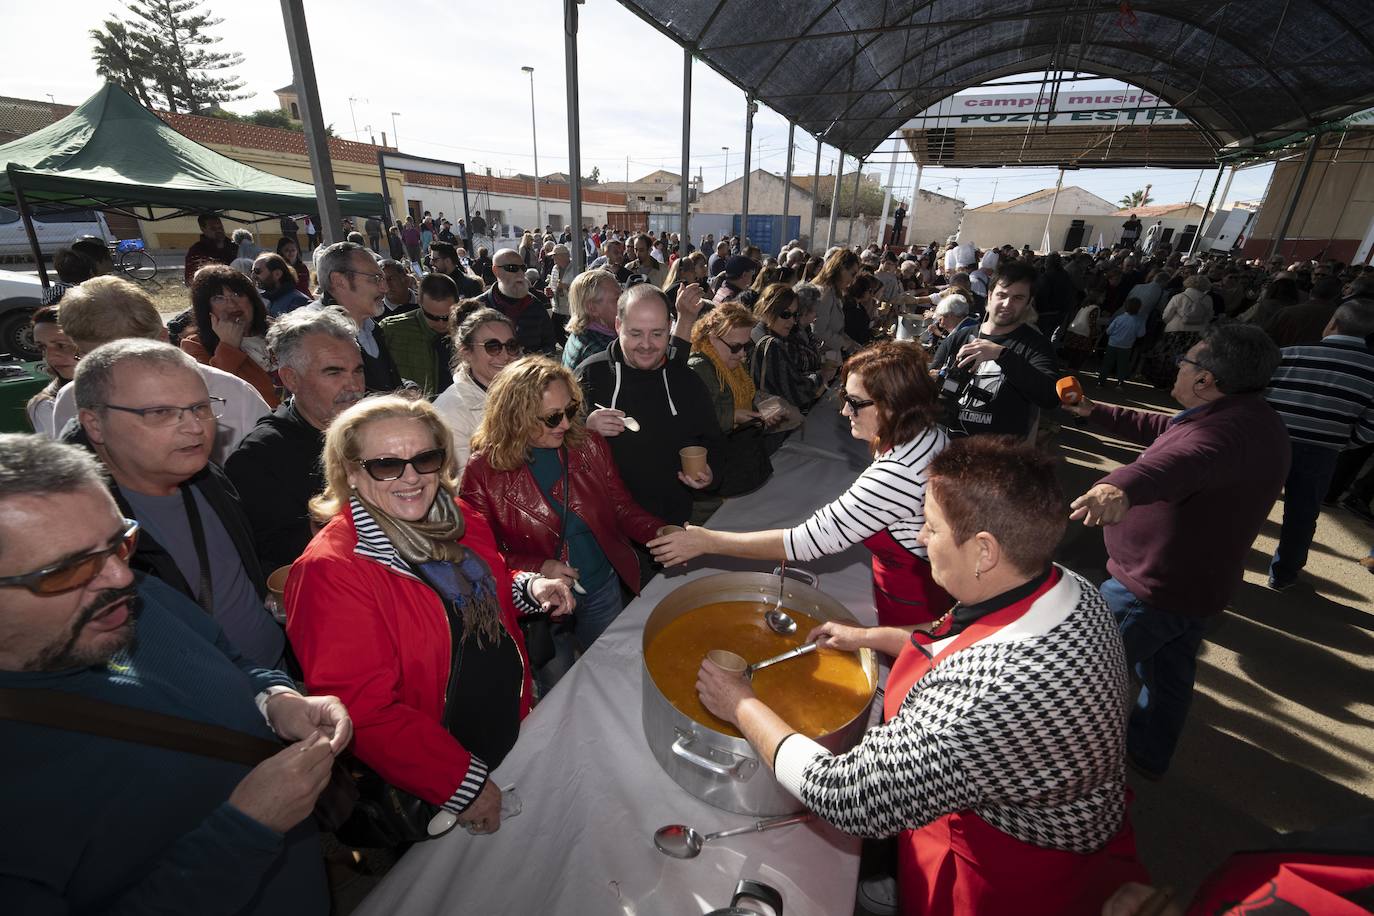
{"x": 635, "y": 377}
{"x": 276, "y": 468}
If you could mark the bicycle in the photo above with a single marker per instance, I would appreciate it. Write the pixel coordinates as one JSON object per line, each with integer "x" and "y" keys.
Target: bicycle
{"x": 131, "y": 259}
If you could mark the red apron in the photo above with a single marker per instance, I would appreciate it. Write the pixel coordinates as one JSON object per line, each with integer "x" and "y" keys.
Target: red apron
{"x": 903, "y": 591}
{"x": 961, "y": 864}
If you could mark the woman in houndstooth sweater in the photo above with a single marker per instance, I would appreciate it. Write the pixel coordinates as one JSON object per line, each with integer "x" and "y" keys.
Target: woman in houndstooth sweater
{"x": 999, "y": 764}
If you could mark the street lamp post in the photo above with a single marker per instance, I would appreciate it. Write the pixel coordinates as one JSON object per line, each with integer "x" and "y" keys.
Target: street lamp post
{"x": 534, "y": 129}
{"x": 726, "y": 177}
{"x": 395, "y": 134}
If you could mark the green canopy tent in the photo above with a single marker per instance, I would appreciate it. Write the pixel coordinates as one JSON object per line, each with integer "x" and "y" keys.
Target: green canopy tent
{"x": 113, "y": 154}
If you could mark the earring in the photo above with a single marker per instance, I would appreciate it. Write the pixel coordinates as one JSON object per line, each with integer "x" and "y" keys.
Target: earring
{"x": 978, "y": 572}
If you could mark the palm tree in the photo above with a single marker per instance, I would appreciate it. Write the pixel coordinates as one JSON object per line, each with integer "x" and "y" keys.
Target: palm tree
{"x": 1135, "y": 199}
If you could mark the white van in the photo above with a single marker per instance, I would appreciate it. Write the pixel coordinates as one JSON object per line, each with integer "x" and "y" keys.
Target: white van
{"x": 56, "y": 227}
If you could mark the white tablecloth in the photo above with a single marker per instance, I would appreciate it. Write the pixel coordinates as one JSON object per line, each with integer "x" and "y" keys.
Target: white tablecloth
{"x": 591, "y": 790}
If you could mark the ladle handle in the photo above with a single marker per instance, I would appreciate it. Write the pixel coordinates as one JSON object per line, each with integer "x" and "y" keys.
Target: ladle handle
{"x": 790, "y": 653}
{"x": 798, "y": 572}
{"x": 768, "y": 823}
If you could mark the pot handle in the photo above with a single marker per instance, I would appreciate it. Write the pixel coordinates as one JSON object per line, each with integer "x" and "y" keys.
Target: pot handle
{"x": 757, "y": 890}
{"x": 740, "y": 769}
{"x": 799, "y": 572}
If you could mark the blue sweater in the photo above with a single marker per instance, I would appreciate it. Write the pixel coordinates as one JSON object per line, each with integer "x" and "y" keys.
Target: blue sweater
{"x": 94, "y": 825}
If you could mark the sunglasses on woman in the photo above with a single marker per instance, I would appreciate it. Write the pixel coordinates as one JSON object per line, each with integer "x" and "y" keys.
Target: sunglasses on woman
{"x": 733, "y": 348}
{"x": 77, "y": 572}
{"x": 494, "y": 347}
{"x": 784, "y": 315}
{"x": 855, "y": 404}
{"x": 568, "y": 413}
{"x": 392, "y": 468}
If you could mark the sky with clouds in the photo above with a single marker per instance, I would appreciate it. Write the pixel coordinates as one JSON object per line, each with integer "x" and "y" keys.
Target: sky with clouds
{"x": 451, "y": 70}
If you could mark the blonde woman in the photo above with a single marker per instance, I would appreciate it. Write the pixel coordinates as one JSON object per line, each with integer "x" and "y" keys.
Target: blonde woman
{"x": 551, "y": 492}
{"x": 403, "y": 607}
{"x": 721, "y": 341}
{"x": 592, "y": 301}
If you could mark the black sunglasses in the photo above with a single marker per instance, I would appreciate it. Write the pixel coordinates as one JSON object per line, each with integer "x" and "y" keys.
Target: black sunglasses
{"x": 433, "y": 317}
{"x": 393, "y": 468}
{"x": 784, "y": 315}
{"x": 733, "y": 348}
{"x": 855, "y": 404}
{"x": 77, "y": 572}
{"x": 494, "y": 347}
{"x": 569, "y": 413}
{"x": 511, "y": 268}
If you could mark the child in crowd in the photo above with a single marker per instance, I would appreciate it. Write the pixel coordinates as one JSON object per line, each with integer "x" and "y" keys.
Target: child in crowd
{"x": 1126, "y": 328}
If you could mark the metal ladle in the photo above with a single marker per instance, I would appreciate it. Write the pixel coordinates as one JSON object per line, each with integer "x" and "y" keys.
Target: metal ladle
{"x": 789, "y": 654}
{"x": 683, "y": 842}
{"x": 778, "y": 620}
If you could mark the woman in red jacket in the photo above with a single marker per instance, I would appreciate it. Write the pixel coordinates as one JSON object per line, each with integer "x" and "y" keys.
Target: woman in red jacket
{"x": 402, "y": 605}
{"x": 554, "y": 498}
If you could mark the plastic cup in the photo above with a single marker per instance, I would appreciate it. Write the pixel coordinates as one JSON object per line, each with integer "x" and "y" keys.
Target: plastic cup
{"x": 276, "y": 593}
{"x": 693, "y": 460}
{"x": 669, "y": 529}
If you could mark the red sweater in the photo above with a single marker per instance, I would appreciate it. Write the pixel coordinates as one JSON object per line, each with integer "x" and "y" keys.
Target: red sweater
{"x": 1199, "y": 494}
{"x": 380, "y": 641}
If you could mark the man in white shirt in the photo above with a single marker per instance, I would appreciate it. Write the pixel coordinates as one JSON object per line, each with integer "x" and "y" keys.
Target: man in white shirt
{"x": 104, "y": 309}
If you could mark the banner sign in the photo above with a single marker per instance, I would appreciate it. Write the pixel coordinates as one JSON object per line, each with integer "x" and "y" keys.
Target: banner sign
{"x": 1071, "y": 108}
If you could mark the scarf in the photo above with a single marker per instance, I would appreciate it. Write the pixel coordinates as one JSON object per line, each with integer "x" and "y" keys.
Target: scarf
{"x": 737, "y": 380}
{"x": 458, "y": 574}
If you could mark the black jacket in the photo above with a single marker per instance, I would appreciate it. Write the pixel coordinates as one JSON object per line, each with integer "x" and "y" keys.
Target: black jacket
{"x": 534, "y": 327}
{"x": 276, "y": 470}
{"x": 674, "y": 411}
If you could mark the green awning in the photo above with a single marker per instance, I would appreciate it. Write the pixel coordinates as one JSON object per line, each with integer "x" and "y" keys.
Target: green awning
{"x": 112, "y": 153}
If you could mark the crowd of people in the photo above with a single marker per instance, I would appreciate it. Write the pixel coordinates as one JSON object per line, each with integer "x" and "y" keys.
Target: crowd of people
{"x": 470, "y": 463}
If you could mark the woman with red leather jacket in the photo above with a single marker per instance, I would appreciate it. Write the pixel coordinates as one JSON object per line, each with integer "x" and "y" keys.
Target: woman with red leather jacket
{"x": 551, "y": 492}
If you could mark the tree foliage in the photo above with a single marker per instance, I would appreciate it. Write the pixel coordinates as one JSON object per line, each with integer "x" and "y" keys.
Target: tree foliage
{"x": 594, "y": 177}
{"x": 870, "y": 197}
{"x": 266, "y": 117}
{"x": 162, "y": 53}
{"x": 1135, "y": 199}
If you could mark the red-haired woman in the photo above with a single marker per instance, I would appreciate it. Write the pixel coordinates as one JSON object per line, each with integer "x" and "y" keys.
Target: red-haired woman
{"x": 890, "y": 401}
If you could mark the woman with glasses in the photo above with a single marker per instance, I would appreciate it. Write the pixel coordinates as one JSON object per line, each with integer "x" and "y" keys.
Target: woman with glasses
{"x": 551, "y": 492}
{"x": 891, "y": 403}
{"x": 231, "y": 328}
{"x": 59, "y": 361}
{"x": 773, "y": 365}
{"x": 720, "y": 344}
{"x": 403, "y": 606}
{"x": 483, "y": 345}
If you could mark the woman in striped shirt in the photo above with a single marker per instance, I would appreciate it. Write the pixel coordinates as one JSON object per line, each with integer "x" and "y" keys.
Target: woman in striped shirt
{"x": 890, "y": 401}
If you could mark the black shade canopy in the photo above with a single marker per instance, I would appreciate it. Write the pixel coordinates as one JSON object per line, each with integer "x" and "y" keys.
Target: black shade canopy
{"x": 853, "y": 71}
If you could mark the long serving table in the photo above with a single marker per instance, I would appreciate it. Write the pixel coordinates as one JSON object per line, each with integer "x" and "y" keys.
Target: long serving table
{"x": 591, "y": 791}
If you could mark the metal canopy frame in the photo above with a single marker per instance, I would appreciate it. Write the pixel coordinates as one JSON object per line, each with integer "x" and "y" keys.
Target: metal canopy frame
{"x": 1246, "y": 73}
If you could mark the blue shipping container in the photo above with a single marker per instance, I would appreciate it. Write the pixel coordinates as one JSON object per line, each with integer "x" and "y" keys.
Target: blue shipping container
{"x": 768, "y": 232}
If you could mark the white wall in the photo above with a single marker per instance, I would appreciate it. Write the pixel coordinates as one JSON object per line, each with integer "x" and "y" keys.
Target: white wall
{"x": 514, "y": 210}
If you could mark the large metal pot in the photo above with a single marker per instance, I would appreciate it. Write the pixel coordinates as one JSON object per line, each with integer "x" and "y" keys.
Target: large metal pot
{"x": 721, "y": 769}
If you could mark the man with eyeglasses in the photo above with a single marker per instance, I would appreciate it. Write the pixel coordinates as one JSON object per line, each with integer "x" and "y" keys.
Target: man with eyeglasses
{"x": 351, "y": 279}
{"x": 150, "y": 420}
{"x": 511, "y": 296}
{"x": 105, "y": 309}
{"x": 99, "y": 822}
{"x": 276, "y": 468}
{"x": 419, "y": 340}
{"x": 277, "y": 281}
{"x": 1180, "y": 519}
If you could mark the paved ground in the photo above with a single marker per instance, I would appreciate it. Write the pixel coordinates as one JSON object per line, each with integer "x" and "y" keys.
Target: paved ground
{"x": 1281, "y": 732}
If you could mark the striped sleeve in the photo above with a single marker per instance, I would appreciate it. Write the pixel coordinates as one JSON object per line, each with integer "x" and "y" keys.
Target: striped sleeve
{"x": 471, "y": 786}
{"x": 889, "y": 494}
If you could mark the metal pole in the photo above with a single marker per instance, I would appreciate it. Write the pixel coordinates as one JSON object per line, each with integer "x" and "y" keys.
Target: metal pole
{"x": 854, "y": 204}
{"x": 834, "y": 202}
{"x": 750, "y": 106}
{"x": 1202, "y": 225}
{"x": 316, "y": 140}
{"x": 686, "y": 146}
{"x": 887, "y": 197}
{"x": 915, "y": 199}
{"x": 467, "y": 215}
{"x": 579, "y": 252}
{"x": 1054, "y": 201}
{"x": 534, "y": 129}
{"x": 787, "y": 178}
{"x": 395, "y": 134}
{"x": 815, "y": 195}
{"x": 386, "y": 192}
{"x": 23, "y": 207}
{"x": 1298, "y": 183}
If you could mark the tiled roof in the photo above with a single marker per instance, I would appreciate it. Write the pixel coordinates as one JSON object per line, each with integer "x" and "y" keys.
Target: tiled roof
{"x": 220, "y": 132}
{"x": 21, "y": 117}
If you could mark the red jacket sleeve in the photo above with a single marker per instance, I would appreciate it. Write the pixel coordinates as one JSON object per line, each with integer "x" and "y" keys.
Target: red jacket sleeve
{"x": 476, "y": 494}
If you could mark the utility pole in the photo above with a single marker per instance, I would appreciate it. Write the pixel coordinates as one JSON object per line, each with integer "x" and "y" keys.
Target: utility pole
{"x": 316, "y": 140}
{"x": 534, "y": 129}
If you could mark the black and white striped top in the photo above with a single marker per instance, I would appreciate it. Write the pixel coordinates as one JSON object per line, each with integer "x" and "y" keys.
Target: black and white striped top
{"x": 1026, "y": 728}
{"x": 890, "y": 494}
{"x": 1325, "y": 392}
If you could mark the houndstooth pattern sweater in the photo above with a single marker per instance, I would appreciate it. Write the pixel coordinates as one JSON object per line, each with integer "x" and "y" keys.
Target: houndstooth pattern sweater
{"x": 1025, "y": 728}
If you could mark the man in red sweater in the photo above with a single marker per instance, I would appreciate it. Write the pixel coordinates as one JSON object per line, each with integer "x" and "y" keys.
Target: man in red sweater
{"x": 1181, "y": 518}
